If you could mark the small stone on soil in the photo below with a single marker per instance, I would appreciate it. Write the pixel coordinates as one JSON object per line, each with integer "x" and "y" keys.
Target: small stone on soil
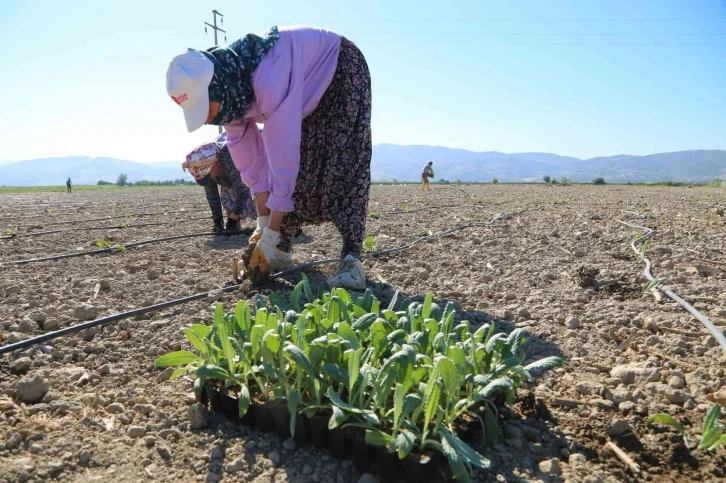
{"x": 21, "y": 366}
{"x": 198, "y": 416}
{"x": 136, "y": 431}
{"x": 31, "y": 390}
{"x": 234, "y": 466}
{"x": 550, "y": 467}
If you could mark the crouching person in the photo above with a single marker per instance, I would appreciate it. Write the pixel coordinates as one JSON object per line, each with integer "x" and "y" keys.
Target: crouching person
{"x": 212, "y": 167}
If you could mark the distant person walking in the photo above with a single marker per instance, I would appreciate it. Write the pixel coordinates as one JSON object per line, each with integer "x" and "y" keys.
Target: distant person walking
{"x": 428, "y": 172}
{"x": 68, "y": 185}
{"x": 212, "y": 167}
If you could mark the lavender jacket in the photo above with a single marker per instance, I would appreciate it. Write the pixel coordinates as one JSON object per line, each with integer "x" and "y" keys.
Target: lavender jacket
{"x": 288, "y": 85}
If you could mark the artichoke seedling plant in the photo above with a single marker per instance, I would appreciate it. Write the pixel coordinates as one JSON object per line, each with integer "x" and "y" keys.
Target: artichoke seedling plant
{"x": 408, "y": 376}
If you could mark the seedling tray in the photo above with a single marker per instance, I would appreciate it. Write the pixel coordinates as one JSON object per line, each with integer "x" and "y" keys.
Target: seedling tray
{"x": 342, "y": 444}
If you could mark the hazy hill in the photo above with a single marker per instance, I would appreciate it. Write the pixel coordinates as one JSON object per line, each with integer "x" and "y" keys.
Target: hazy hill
{"x": 404, "y": 163}
{"x": 84, "y": 170}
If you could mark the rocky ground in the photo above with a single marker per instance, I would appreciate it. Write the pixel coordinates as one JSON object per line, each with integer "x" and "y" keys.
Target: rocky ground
{"x": 91, "y": 406}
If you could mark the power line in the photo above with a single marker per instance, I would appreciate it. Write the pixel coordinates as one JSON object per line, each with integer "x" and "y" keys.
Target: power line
{"x": 513, "y": 20}
{"x": 550, "y": 34}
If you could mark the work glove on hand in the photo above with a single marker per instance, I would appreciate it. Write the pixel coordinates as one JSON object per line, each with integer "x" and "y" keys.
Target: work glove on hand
{"x": 266, "y": 257}
{"x": 262, "y": 222}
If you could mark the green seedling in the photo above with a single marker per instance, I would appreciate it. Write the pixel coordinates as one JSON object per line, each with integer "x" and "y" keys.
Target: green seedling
{"x": 644, "y": 248}
{"x": 712, "y": 432}
{"x": 371, "y": 244}
{"x": 406, "y": 373}
{"x": 373, "y": 215}
{"x": 655, "y": 283}
{"x": 112, "y": 246}
{"x": 670, "y": 421}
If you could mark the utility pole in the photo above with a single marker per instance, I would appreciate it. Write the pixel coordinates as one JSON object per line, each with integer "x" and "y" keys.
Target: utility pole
{"x": 216, "y": 29}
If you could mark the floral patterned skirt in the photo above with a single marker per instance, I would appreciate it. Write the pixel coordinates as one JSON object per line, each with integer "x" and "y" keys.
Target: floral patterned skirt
{"x": 333, "y": 183}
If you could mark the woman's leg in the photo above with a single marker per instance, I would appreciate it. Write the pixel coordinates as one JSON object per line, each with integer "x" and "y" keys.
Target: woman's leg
{"x": 289, "y": 229}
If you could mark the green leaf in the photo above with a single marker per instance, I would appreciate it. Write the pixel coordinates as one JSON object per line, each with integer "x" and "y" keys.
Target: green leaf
{"x": 431, "y": 400}
{"x": 428, "y": 301}
{"x": 243, "y": 317}
{"x": 201, "y": 330}
{"x": 348, "y": 334}
{"x": 403, "y": 443}
{"x": 293, "y": 400}
{"x": 300, "y": 359}
{"x": 337, "y": 418}
{"x": 369, "y": 416}
{"x": 306, "y": 287}
{"x": 224, "y": 334}
{"x": 394, "y": 301}
{"x": 177, "y": 358}
{"x": 545, "y": 364}
{"x": 721, "y": 442}
{"x": 711, "y": 438}
{"x": 667, "y": 419}
{"x": 712, "y": 416}
{"x": 491, "y": 426}
{"x": 466, "y": 451}
{"x": 213, "y": 372}
{"x": 399, "y": 395}
{"x": 199, "y": 387}
{"x": 271, "y": 340}
{"x": 377, "y": 438}
{"x": 353, "y": 368}
{"x": 364, "y": 323}
{"x": 335, "y": 372}
{"x": 455, "y": 461}
{"x": 243, "y": 403}
{"x": 446, "y": 368}
{"x": 196, "y": 341}
{"x": 498, "y": 385}
{"x": 179, "y": 372}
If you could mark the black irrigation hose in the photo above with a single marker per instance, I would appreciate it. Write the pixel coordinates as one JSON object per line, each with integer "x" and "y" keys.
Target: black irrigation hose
{"x": 415, "y": 210}
{"x": 127, "y": 245}
{"x": 97, "y": 228}
{"x": 648, "y": 233}
{"x": 115, "y": 217}
{"x": 24, "y": 344}
{"x": 67, "y": 213}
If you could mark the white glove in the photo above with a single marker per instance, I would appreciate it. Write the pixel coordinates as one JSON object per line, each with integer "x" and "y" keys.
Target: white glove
{"x": 268, "y": 244}
{"x": 262, "y": 222}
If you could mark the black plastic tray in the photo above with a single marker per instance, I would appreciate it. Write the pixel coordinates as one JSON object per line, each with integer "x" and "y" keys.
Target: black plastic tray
{"x": 340, "y": 444}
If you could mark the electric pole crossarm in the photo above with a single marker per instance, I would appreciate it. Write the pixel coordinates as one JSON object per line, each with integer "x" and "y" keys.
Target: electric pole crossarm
{"x": 214, "y": 27}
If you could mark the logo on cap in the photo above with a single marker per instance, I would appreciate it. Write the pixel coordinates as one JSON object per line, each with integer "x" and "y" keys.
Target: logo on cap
{"x": 181, "y": 98}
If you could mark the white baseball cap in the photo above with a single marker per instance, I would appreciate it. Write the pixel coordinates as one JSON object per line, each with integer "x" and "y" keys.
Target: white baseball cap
{"x": 187, "y": 82}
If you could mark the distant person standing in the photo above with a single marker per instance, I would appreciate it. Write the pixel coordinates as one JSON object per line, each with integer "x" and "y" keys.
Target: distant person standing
{"x": 428, "y": 172}
{"x": 68, "y": 185}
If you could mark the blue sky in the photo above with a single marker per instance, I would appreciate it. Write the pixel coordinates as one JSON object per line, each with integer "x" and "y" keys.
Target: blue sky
{"x": 581, "y": 78}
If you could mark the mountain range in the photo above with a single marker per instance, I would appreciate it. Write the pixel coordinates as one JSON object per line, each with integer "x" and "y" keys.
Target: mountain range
{"x": 405, "y": 163}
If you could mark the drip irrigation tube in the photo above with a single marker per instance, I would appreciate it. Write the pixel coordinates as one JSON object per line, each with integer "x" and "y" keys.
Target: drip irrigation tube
{"x": 128, "y": 245}
{"x": 97, "y": 228}
{"x": 24, "y": 344}
{"x": 648, "y": 233}
{"x": 168, "y": 212}
{"x": 415, "y": 210}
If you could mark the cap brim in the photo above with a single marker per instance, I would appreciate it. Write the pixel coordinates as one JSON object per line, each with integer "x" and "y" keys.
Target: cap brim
{"x": 196, "y": 114}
